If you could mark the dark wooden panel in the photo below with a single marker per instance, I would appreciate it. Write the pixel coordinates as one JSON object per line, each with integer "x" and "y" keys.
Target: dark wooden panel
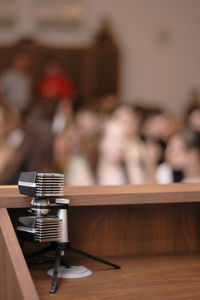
{"x": 130, "y": 230}
{"x": 141, "y": 229}
{"x": 15, "y": 279}
{"x": 86, "y": 66}
{"x": 112, "y": 195}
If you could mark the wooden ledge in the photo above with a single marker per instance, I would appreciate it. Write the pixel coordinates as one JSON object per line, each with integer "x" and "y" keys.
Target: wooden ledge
{"x": 15, "y": 279}
{"x": 112, "y": 195}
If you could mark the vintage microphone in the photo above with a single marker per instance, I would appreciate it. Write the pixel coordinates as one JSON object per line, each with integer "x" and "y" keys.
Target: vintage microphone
{"x": 46, "y": 189}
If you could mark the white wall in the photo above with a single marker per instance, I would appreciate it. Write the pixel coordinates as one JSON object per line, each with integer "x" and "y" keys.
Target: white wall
{"x": 156, "y": 72}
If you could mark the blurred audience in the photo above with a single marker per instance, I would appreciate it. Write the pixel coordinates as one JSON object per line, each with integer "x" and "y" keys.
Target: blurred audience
{"x": 102, "y": 142}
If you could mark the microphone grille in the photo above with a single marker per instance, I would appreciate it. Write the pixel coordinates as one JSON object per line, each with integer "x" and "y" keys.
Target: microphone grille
{"x": 49, "y": 184}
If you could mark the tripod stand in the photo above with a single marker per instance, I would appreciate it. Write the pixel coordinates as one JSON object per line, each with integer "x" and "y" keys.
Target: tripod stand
{"x": 60, "y": 247}
{"x": 64, "y": 245}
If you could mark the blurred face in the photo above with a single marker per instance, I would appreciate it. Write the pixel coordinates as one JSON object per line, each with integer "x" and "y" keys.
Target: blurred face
{"x": 114, "y": 142}
{"x": 109, "y": 103}
{"x": 157, "y": 127}
{"x": 129, "y": 120}
{"x": 88, "y": 123}
{"x": 194, "y": 120}
{"x": 177, "y": 155}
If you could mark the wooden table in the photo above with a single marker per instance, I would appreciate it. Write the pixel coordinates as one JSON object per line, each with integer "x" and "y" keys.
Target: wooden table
{"x": 164, "y": 277}
{"x": 122, "y": 222}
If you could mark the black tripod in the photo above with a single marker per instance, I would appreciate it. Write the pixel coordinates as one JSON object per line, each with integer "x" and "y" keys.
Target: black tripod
{"x": 60, "y": 247}
{"x": 63, "y": 244}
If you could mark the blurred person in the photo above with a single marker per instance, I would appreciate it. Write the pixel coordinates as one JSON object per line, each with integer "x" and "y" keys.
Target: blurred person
{"x": 65, "y": 145}
{"x": 39, "y": 130}
{"x": 63, "y": 117}
{"x": 155, "y": 160}
{"x": 192, "y": 109}
{"x": 35, "y": 152}
{"x": 6, "y": 150}
{"x": 16, "y": 83}
{"x": 157, "y": 126}
{"x": 88, "y": 123}
{"x": 15, "y": 127}
{"x": 111, "y": 168}
{"x": 129, "y": 118}
{"x": 70, "y": 158}
{"x": 141, "y": 112}
{"x": 55, "y": 84}
{"x": 182, "y": 154}
{"x": 135, "y": 152}
{"x": 106, "y": 104}
{"x": 193, "y": 118}
{"x": 89, "y": 126}
{"x": 155, "y": 133}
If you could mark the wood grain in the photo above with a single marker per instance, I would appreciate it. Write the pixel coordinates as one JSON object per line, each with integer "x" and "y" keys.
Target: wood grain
{"x": 131, "y": 229}
{"x": 112, "y": 195}
{"x": 15, "y": 279}
{"x": 126, "y": 221}
{"x": 140, "y": 278}
{"x": 136, "y": 229}
{"x": 145, "y": 227}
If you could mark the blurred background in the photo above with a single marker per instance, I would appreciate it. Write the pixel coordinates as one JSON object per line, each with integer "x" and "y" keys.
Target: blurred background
{"x": 106, "y": 92}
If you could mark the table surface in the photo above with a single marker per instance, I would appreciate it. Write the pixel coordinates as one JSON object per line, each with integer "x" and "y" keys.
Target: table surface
{"x": 141, "y": 278}
{"x": 112, "y": 195}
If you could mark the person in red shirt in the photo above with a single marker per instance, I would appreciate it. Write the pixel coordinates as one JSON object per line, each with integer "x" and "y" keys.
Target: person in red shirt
{"x": 55, "y": 84}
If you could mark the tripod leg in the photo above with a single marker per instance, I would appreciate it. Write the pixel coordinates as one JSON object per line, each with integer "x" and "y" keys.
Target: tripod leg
{"x": 21, "y": 242}
{"x": 94, "y": 257}
{"x": 63, "y": 263}
{"x": 55, "y": 271}
{"x": 39, "y": 252}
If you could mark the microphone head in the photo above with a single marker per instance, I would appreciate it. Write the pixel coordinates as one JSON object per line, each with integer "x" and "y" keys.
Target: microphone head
{"x": 41, "y": 184}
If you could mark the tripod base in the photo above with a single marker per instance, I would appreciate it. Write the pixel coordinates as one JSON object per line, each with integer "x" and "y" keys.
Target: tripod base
{"x": 71, "y": 272}
{"x": 60, "y": 248}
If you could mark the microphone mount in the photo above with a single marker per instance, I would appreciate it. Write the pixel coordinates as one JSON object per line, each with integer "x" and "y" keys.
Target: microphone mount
{"x": 47, "y": 190}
